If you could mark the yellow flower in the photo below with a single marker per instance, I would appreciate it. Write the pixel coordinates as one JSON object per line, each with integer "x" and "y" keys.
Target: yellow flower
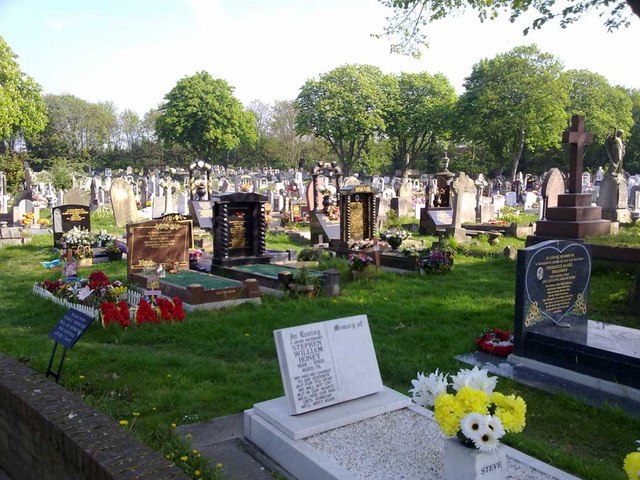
{"x": 135, "y": 414}
{"x": 219, "y": 465}
{"x": 511, "y": 411}
{"x": 81, "y": 377}
{"x": 471, "y": 400}
{"x": 153, "y": 408}
{"x": 184, "y": 458}
{"x": 448, "y": 414}
{"x": 188, "y": 435}
{"x": 632, "y": 465}
{"x": 124, "y": 423}
{"x": 173, "y": 425}
{"x": 197, "y": 473}
{"x": 195, "y": 452}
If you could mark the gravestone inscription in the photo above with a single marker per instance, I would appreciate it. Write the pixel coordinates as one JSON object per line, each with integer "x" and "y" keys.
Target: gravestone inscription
{"x": 65, "y": 217}
{"x": 326, "y": 363}
{"x": 70, "y": 327}
{"x": 159, "y": 242}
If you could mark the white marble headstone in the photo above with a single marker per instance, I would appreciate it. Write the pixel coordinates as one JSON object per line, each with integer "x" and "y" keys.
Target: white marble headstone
{"x": 511, "y": 199}
{"x": 327, "y": 363}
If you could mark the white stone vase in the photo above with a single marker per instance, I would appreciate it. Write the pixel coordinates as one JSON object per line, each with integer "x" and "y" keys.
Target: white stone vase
{"x": 464, "y": 463}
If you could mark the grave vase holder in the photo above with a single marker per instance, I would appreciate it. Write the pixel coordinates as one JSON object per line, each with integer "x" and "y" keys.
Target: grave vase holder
{"x": 464, "y": 463}
{"x": 84, "y": 262}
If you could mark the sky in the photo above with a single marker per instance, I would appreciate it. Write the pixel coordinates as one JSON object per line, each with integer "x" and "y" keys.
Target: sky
{"x": 132, "y": 52}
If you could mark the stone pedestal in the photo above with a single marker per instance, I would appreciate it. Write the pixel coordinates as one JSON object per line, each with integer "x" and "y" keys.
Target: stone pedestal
{"x": 461, "y": 462}
{"x": 621, "y": 215}
{"x": 574, "y": 218}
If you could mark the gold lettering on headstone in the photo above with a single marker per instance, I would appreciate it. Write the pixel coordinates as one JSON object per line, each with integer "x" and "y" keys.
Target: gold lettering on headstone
{"x": 557, "y": 281}
{"x": 238, "y": 230}
{"x": 75, "y": 214}
{"x": 357, "y": 220}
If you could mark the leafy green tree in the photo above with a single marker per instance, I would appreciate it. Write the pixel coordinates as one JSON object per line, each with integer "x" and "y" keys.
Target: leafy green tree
{"x": 419, "y": 111}
{"x": 346, "y": 108}
{"x": 201, "y": 114}
{"x": 515, "y": 103}
{"x": 604, "y": 107}
{"x": 22, "y": 110}
{"x": 77, "y": 129}
{"x": 632, "y": 158}
{"x": 411, "y": 16}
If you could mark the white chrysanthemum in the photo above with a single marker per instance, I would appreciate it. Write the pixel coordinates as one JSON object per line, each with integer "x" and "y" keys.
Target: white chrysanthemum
{"x": 474, "y": 425}
{"x": 474, "y": 378}
{"x": 495, "y": 425}
{"x": 486, "y": 442}
{"x": 426, "y": 389}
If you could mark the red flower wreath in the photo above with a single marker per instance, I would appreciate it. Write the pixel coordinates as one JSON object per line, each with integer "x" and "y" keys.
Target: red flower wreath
{"x": 496, "y": 341}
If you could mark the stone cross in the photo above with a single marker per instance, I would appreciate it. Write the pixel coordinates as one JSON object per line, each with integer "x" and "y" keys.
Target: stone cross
{"x": 577, "y": 138}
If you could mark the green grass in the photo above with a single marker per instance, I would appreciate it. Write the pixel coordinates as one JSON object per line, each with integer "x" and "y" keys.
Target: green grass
{"x": 222, "y": 362}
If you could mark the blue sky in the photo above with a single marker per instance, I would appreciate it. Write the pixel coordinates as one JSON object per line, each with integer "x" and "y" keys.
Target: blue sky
{"x": 132, "y": 52}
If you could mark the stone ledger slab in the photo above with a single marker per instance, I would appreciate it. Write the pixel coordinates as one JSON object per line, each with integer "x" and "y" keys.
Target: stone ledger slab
{"x": 301, "y": 426}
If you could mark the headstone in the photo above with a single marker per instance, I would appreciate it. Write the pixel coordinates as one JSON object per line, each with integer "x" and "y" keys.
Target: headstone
{"x": 577, "y": 139}
{"x": 498, "y": 203}
{"x": 123, "y": 202}
{"x": 511, "y": 199}
{"x": 76, "y": 197}
{"x": 358, "y": 211}
{"x": 326, "y": 363}
{"x": 551, "y": 322}
{"x": 66, "y": 217}
{"x": 464, "y": 200}
{"x": 157, "y": 207}
{"x": 240, "y": 229}
{"x": 351, "y": 181}
{"x": 553, "y": 186}
{"x": 202, "y": 212}
{"x": 164, "y": 241}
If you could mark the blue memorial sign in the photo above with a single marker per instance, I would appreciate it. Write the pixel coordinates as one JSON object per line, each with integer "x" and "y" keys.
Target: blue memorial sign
{"x": 70, "y": 327}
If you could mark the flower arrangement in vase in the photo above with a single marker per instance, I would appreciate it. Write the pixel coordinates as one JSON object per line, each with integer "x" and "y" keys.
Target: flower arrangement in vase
{"x": 473, "y": 412}
{"x": 195, "y": 254}
{"x": 77, "y": 237}
{"x": 394, "y": 236}
{"x": 496, "y": 341}
{"x": 436, "y": 260}
{"x": 358, "y": 263}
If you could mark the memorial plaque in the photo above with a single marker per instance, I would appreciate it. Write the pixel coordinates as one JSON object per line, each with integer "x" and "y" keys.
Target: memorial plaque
{"x": 65, "y": 217}
{"x": 358, "y": 213}
{"x": 238, "y": 222}
{"x": 441, "y": 218}
{"x": 555, "y": 278}
{"x": 326, "y": 363}
{"x": 159, "y": 242}
{"x": 70, "y": 327}
{"x": 357, "y": 221}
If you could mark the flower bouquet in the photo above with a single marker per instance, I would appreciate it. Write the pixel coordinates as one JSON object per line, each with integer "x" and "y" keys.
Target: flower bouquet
{"x": 43, "y": 222}
{"x": 632, "y": 464}
{"x": 436, "y": 261}
{"x": 195, "y": 255}
{"x": 473, "y": 412}
{"x": 394, "y": 236}
{"x": 83, "y": 251}
{"x": 496, "y": 341}
{"x": 27, "y": 218}
{"x": 359, "y": 261}
{"x": 77, "y": 237}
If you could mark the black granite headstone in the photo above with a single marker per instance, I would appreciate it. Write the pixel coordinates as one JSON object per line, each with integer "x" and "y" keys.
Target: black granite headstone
{"x": 358, "y": 213}
{"x": 240, "y": 229}
{"x": 551, "y": 324}
{"x": 65, "y": 217}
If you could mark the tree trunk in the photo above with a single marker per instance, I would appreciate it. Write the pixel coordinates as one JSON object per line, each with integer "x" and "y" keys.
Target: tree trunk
{"x": 518, "y": 153}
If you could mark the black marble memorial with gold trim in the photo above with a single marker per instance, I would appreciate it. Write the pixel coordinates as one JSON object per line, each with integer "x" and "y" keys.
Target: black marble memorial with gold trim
{"x": 358, "y": 213}
{"x": 240, "y": 229}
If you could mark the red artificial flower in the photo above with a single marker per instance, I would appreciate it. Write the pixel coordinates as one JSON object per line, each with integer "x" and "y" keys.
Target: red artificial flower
{"x": 166, "y": 308}
{"x": 98, "y": 279}
{"x": 178, "y": 311}
{"x": 145, "y": 313}
{"x": 125, "y": 319}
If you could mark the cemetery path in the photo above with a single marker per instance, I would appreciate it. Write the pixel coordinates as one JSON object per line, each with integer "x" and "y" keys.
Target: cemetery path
{"x": 222, "y": 440}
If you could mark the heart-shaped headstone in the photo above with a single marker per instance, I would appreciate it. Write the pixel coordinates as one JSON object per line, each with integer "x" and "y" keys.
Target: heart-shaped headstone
{"x": 557, "y": 279}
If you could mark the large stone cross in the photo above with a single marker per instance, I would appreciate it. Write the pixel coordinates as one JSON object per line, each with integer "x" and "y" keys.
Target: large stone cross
{"x": 577, "y": 138}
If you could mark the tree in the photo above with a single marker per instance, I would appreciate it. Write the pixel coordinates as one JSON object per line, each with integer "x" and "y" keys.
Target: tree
{"x": 419, "y": 110}
{"x": 604, "y": 107}
{"x": 77, "y": 129}
{"x": 410, "y": 16}
{"x": 130, "y": 127}
{"x": 346, "y": 108}
{"x": 515, "y": 103}
{"x": 22, "y": 110}
{"x": 201, "y": 114}
{"x": 632, "y": 158}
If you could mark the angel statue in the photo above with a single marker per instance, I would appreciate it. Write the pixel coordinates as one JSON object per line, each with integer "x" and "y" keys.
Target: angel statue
{"x": 615, "y": 149}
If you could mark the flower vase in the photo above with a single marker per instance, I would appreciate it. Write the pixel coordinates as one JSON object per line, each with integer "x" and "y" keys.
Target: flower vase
{"x": 394, "y": 243}
{"x": 464, "y": 463}
{"x": 84, "y": 262}
{"x": 114, "y": 256}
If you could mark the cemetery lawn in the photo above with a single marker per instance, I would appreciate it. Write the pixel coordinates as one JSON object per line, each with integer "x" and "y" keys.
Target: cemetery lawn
{"x": 222, "y": 362}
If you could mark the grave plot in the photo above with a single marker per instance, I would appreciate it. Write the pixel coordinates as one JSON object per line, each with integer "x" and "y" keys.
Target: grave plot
{"x": 202, "y": 290}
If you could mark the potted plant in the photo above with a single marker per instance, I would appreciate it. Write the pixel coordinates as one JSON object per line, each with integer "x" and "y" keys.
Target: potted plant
{"x": 113, "y": 251}
{"x": 358, "y": 264}
{"x": 84, "y": 256}
{"x": 394, "y": 237}
{"x": 304, "y": 283}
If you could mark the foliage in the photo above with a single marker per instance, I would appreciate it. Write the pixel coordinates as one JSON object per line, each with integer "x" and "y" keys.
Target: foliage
{"x": 22, "y": 110}
{"x": 346, "y": 108}
{"x": 436, "y": 260}
{"x": 418, "y": 114}
{"x": 411, "y": 16}
{"x": 201, "y": 114}
{"x": 359, "y": 261}
{"x": 604, "y": 107}
{"x": 11, "y": 163}
{"x": 513, "y": 103}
